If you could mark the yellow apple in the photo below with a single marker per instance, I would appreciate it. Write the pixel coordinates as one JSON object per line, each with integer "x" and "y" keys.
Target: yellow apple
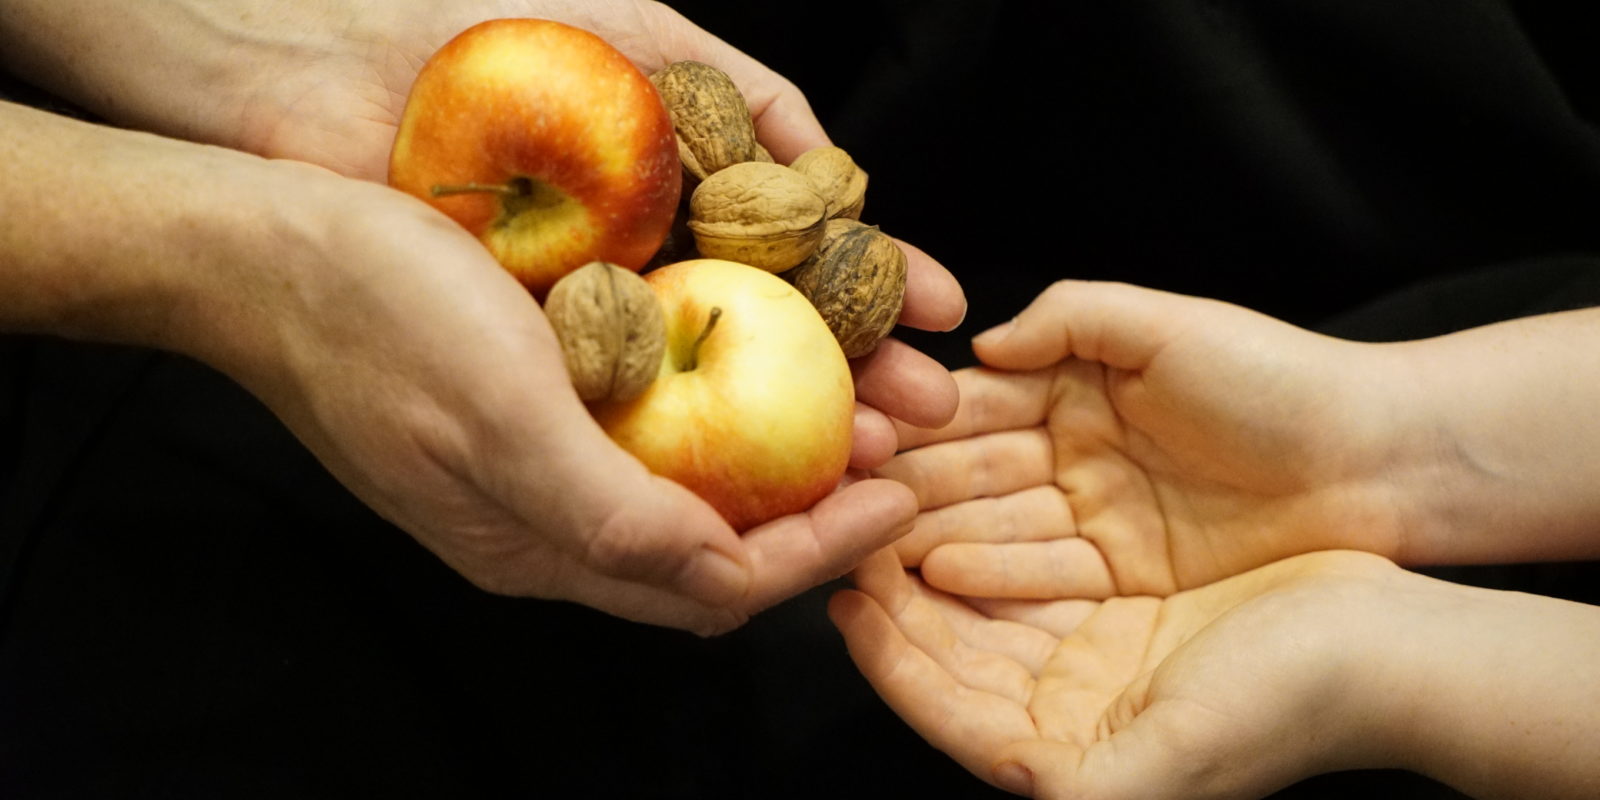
{"x": 754, "y": 403}
{"x": 546, "y": 143}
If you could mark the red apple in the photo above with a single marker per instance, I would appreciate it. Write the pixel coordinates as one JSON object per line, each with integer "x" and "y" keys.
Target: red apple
{"x": 546, "y": 143}
{"x": 754, "y": 403}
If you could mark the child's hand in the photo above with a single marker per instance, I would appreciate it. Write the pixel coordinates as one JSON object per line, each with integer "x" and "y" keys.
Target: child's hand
{"x": 1232, "y": 690}
{"x": 1129, "y": 441}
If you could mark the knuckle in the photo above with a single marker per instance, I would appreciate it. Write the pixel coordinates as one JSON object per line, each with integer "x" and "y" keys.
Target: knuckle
{"x": 719, "y": 623}
{"x": 1060, "y": 288}
{"x": 626, "y": 547}
{"x": 493, "y": 581}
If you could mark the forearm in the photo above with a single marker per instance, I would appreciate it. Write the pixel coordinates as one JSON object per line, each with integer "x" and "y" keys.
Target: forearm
{"x": 120, "y": 236}
{"x": 1508, "y": 416}
{"x": 183, "y": 69}
{"x": 1495, "y": 693}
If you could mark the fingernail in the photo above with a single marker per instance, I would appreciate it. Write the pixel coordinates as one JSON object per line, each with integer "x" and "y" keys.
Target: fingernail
{"x": 995, "y": 335}
{"x": 1014, "y": 778}
{"x": 964, "y": 309}
{"x": 715, "y": 578}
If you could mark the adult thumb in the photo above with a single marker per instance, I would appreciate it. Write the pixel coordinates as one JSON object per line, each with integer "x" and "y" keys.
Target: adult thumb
{"x": 784, "y": 120}
{"x": 602, "y": 506}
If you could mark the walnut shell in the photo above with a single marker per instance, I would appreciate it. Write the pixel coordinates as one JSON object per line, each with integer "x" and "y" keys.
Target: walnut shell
{"x": 710, "y": 116}
{"x": 611, "y": 328}
{"x": 764, "y": 215}
{"x": 842, "y": 183}
{"x": 857, "y": 280}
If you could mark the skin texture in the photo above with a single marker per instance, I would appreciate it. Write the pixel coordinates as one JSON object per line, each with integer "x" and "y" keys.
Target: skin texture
{"x": 1321, "y": 662}
{"x": 425, "y": 422}
{"x": 1126, "y": 441}
{"x": 1129, "y": 577}
{"x": 1134, "y": 466}
{"x": 325, "y": 81}
{"x": 378, "y": 330}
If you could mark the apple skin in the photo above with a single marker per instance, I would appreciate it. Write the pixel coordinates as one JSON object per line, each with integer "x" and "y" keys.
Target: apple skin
{"x": 561, "y": 114}
{"x": 761, "y": 426}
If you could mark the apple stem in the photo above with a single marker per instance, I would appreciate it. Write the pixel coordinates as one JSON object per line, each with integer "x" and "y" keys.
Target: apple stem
{"x": 508, "y": 189}
{"x": 694, "y": 350}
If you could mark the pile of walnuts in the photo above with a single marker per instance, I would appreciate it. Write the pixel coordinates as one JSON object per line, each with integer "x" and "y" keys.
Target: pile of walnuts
{"x": 800, "y": 221}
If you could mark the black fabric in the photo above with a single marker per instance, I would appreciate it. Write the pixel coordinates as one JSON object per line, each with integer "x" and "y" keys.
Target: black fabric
{"x": 1298, "y": 158}
{"x": 191, "y": 606}
{"x": 202, "y": 612}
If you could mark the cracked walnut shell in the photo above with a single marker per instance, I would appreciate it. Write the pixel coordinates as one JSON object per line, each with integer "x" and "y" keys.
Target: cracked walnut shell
{"x": 611, "y": 328}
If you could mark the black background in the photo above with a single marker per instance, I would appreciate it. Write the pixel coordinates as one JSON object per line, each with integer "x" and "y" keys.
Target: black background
{"x": 193, "y": 608}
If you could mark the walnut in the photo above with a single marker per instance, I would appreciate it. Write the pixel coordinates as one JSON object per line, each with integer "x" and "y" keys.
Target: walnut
{"x": 710, "y": 116}
{"x": 764, "y": 215}
{"x": 611, "y": 328}
{"x": 842, "y": 183}
{"x": 857, "y": 280}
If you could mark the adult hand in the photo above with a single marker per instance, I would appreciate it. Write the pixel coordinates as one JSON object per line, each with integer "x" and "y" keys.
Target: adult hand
{"x": 1228, "y": 691}
{"x": 400, "y": 352}
{"x": 338, "y": 84}
{"x": 456, "y": 421}
{"x": 1127, "y": 441}
{"x": 326, "y": 82}
{"x": 338, "y": 105}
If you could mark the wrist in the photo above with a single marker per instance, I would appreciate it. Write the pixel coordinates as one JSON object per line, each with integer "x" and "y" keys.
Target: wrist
{"x": 1505, "y": 413}
{"x": 1376, "y": 453}
{"x": 85, "y": 255}
{"x": 1387, "y": 651}
{"x": 1420, "y": 457}
{"x": 1491, "y": 692}
{"x": 125, "y": 237}
{"x": 1351, "y": 599}
{"x": 257, "y": 250}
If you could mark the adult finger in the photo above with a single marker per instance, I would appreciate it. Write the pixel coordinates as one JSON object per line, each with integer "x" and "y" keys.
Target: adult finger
{"x": 785, "y": 122}
{"x": 934, "y": 299}
{"x": 646, "y": 529}
{"x": 795, "y": 553}
{"x": 787, "y": 556}
{"x": 872, "y": 438}
{"x": 905, "y": 384}
{"x": 572, "y": 485}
